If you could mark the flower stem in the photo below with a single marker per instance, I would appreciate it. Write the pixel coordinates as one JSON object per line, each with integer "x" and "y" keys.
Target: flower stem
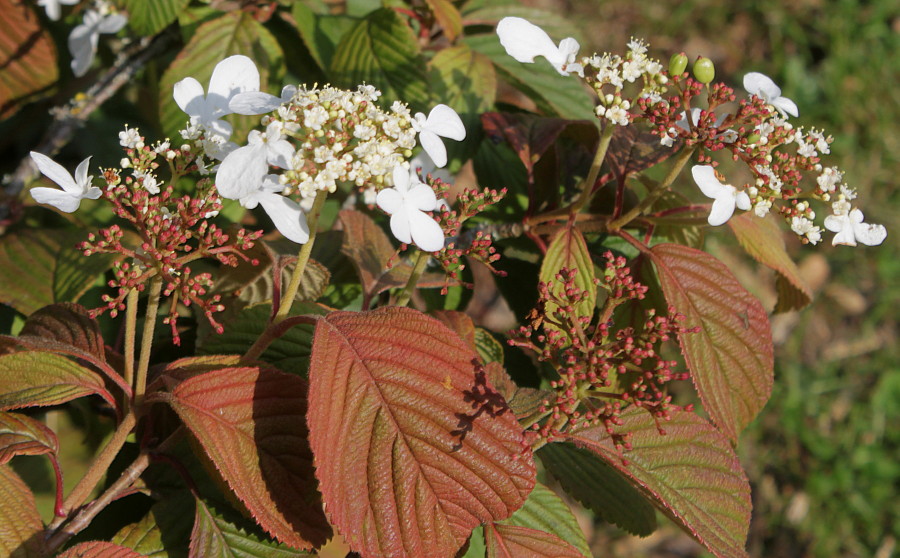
{"x": 288, "y": 295}
{"x": 130, "y": 328}
{"x": 421, "y": 259}
{"x": 652, "y": 196}
{"x": 588, "y": 189}
{"x": 140, "y": 380}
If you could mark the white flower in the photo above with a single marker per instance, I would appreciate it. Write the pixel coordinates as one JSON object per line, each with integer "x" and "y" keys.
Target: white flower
{"x": 524, "y": 41}
{"x": 73, "y": 189}
{"x": 234, "y": 75}
{"x": 83, "y": 38}
{"x": 763, "y": 87}
{"x": 52, "y": 7}
{"x": 850, "y": 229}
{"x": 726, "y": 196}
{"x": 131, "y": 138}
{"x": 285, "y": 213}
{"x": 406, "y": 203}
{"x": 442, "y": 121}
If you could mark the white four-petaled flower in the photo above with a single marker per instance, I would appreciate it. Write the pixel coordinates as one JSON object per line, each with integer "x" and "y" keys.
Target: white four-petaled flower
{"x": 524, "y": 41}
{"x": 236, "y": 74}
{"x": 726, "y": 196}
{"x": 407, "y": 203}
{"x": 83, "y": 38}
{"x": 52, "y": 7}
{"x": 73, "y": 189}
{"x": 286, "y": 214}
{"x": 441, "y": 121}
{"x": 850, "y": 229}
{"x": 763, "y": 87}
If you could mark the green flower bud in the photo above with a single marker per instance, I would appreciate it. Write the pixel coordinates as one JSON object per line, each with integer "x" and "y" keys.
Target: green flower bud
{"x": 704, "y": 70}
{"x": 753, "y": 138}
{"x": 678, "y": 64}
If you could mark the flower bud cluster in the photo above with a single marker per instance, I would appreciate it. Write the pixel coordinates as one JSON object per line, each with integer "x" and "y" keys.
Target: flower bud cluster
{"x": 602, "y": 370}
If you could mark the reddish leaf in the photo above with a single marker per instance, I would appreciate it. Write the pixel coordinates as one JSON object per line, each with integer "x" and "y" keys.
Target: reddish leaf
{"x": 460, "y": 323}
{"x": 37, "y": 379}
{"x": 524, "y": 401}
{"x": 413, "y": 446}
{"x": 67, "y": 323}
{"x": 514, "y": 541}
{"x": 27, "y": 56}
{"x": 250, "y": 421}
{"x": 691, "y": 473}
{"x": 763, "y": 240}
{"x": 731, "y": 358}
{"x": 633, "y": 149}
{"x": 20, "y": 523}
{"x": 446, "y": 14}
{"x": 569, "y": 250}
{"x": 99, "y": 549}
{"x": 23, "y": 435}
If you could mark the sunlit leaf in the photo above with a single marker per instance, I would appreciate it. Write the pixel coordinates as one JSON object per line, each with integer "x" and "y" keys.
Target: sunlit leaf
{"x": 413, "y": 446}
{"x": 23, "y": 435}
{"x": 764, "y": 241}
{"x": 545, "y": 511}
{"x": 599, "y": 487}
{"x": 731, "y": 358}
{"x": 99, "y": 549}
{"x": 691, "y": 473}
{"x": 36, "y": 379}
{"x": 250, "y": 422}
{"x": 321, "y": 33}
{"x": 512, "y": 541}
{"x": 465, "y": 79}
{"x": 20, "y": 523}
{"x": 149, "y": 18}
{"x": 382, "y": 50}
{"x": 27, "y": 55}
{"x": 569, "y": 250}
{"x": 447, "y": 16}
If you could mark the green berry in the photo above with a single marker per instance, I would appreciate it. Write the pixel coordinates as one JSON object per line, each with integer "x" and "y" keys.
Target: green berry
{"x": 704, "y": 70}
{"x": 677, "y": 64}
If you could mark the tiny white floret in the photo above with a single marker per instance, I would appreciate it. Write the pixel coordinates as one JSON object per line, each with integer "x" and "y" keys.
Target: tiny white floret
{"x": 726, "y": 196}
{"x": 74, "y": 189}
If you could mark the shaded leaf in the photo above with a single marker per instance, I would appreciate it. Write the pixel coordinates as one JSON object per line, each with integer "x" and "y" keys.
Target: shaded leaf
{"x": 569, "y": 250}
{"x": 36, "y": 379}
{"x": 231, "y": 33}
{"x": 321, "y": 33}
{"x": 149, "y": 18}
{"x": 680, "y": 227}
{"x": 99, "y": 549}
{"x": 382, "y": 50}
{"x": 599, "y": 487}
{"x": 67, "y": 323}
{"x": 524, "y": 401}
{"x": 554, "y": 23}
{"x": 23, "y": 435}
{"x": 250, "y": 422}
{"x": 691, "y": 473}
{"x": 512, "y": 541}
{"x": 633, "y": 149}
{"x": 465, "y": 79}
{"x": 163, "y": 532}
{"x": 27, "y": 56}
{"x": 545, "y": 511}
{"x": 413, "y": 446}
{"x": 214, "y": 535}
{"x": 731, "y": 358}
{"x": 21, "y": 528}
{"x": 42, "y": 266}
{"x": 487, "y": 347}
{"x": 447, "y": 16}
{"x": 763, "y": 240}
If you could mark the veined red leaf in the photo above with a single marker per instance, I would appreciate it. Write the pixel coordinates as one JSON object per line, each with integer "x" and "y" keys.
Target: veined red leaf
{"x": 731, "y": 358}
{"x": 250, "y": 422}
{"x": 633, "y": 149}
{"x": 67, "y": 323}
{"x": 37, "y": 379}
{"x": 545, "y": 511}
{"x": 460, "y": 323}
{"x": 513, "y": 541}
{"x": 23, "y": 435}
{"x": 524, "y": 401}
{"x": 99, "y": 549}
{"x": 568, "y": 249}
{"x": 763, "y": 240}
{"x": 20, "y": 522}
{"x": 28, "y": 56}
{"x": 413, "y": 446}
{"x": 691, "y": 473}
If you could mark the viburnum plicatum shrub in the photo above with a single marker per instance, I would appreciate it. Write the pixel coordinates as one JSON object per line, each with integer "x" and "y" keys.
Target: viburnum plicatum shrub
{"x": 318, "y": 384}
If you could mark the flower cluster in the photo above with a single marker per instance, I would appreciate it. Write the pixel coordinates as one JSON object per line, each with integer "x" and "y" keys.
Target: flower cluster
{"x": 601, "y": 370}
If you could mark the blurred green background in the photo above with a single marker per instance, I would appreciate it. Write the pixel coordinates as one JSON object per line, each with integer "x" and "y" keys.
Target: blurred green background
{"x": 824, "y": 456}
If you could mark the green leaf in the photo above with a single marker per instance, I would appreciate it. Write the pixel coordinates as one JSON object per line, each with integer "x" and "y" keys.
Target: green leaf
{"x": 28, "y": 54}
{"x": 23, "y": 435}
{"x": 555, "y": 24}
{"x": 321, "y": 33}
{"x": 488, "y": 348}
{"x": 42, "y": 266}
{"x": 555, "y": 95}
{"x": 164, "y": 532}
{"x": 524, "y": 401}
{"x": 691, "y": 473}
{"x": 511, "y": 541}
{"x": 568, "y": 249}
{"x": 382, "y": 50}
{"x": 545, "y": 511}
{"x": 149, "y": 18}
{"x": 36, "y": 379}
{"x": 679, "y": 227}
{"x": 20, "y": 523}
{"x": 413, "y": 448}
{"x": 232, "y": 33}
{"x": 250, "y": 422}
{"x": 599, "y": 487}
{"x": 731, "y": 358}
{"x": 464, "y": 79}
{"x": 214, "y": 535}
{"x": 99, "y": 549}
{"x": 763, "y": 240}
